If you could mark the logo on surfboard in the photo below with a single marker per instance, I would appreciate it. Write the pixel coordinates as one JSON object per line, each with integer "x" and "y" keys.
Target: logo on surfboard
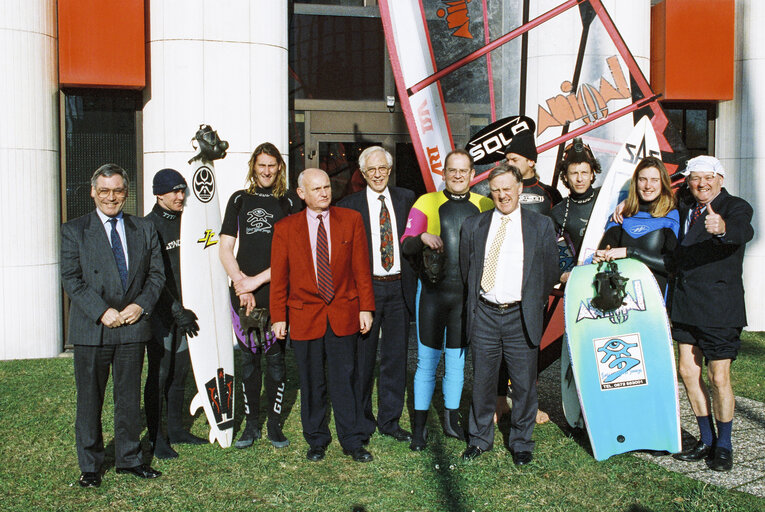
{"x": 620, "y": 361}
{"x": 203, "y": 184}
{"x": 634, "y": 301}
{"x": 208, "y": 239}
{"x": 220, "y": 393}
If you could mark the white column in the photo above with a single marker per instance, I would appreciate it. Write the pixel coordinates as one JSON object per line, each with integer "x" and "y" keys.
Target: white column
{"x": 739, "y": 136}
{"x": 217, "y": 63}
{"x": 30, "y": 288}
{"x": 552, "y": 56}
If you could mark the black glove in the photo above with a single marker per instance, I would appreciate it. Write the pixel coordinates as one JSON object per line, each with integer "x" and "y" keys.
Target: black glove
{"x": 186, "y": 321}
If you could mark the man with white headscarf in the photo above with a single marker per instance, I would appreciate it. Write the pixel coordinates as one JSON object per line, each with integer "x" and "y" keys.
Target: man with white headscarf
{"x": 708, "y": 311}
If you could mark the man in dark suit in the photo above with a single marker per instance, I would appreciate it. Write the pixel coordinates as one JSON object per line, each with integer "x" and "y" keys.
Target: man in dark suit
{"x": 111, "y": 268}
{"x": 384, "y": 210}
{"x": 708, "y": 311}
{"x": 320, "y": 282}
{"x": 509, "y": 262}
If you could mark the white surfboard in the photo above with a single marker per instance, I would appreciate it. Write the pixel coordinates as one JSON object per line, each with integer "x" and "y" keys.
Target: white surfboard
{"x": 204, "y": 286}
{"x": 641, "y": 142}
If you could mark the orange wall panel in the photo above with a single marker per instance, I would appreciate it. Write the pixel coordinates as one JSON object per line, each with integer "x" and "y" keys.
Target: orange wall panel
{"x": 692, "y": 49}
{"x": 101, "y": 43}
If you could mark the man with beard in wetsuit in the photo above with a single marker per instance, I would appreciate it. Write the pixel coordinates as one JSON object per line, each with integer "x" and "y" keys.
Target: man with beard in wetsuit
{"x": 171, "y": 325}
{"x": 433, "y": 231}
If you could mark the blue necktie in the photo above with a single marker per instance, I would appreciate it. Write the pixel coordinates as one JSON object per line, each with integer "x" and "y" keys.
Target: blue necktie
{"x": 119, "y": 254}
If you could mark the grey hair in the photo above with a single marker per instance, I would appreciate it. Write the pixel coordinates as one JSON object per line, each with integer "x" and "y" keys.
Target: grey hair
{"x": 371, "y": 149}
{"x": 301, "y": 176}
{"x": 503, "y": 168}
{"x": 107, "y": 171}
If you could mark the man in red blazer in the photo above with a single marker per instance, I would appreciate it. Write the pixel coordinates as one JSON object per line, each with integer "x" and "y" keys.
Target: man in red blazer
{"x": 321, "y": 284}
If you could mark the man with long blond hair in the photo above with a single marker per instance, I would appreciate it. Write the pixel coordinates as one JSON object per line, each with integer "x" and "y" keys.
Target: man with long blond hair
{"x": 250, "y": 216}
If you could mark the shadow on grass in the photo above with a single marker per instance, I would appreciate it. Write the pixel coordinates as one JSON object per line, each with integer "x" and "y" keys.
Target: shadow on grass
{"x": 448, "y": 482}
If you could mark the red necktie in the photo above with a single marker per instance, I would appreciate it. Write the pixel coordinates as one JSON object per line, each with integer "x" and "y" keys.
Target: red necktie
{"x": 323, "y": 271}
{"x": 695, "y": 214}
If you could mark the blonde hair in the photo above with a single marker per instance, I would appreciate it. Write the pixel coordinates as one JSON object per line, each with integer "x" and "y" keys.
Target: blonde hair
{"x": 662, "y": 205}
{"x": 280, "y": 185}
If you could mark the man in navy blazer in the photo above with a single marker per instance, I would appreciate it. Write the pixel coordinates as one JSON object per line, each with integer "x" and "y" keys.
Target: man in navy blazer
{"x": 395, "y": 287}
{"x": 111, "y": 268}
{"x": 509, "y": 262}
{"x": 708, "y": 311}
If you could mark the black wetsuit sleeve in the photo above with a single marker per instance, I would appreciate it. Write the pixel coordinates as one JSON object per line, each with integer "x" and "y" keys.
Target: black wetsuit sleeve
{"x": 230, "y": 225}
{"x": 612, "y": 237}
{"x": 412, "y": 246}
{"x": 657, "y": 262}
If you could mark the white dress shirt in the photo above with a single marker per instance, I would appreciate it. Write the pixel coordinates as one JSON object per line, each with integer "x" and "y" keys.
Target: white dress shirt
{"x": 509, "y": 280}
{"x": 373, "y": 200}
{"x": 120, "y": 229}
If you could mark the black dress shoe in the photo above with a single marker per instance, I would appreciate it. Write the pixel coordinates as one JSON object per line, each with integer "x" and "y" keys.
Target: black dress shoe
{"x": 142, "y": 471}
{"x": 522, "y": 458}
{"x": 399, "y": 435}
{"x": 722, "y": 460}
{"x": 89, "y": 479}
{"x": 696, "y": 452}
{"x": 472, "y": 452}
{"x": 315, "y": 454}
{"x": 359, "y": 454}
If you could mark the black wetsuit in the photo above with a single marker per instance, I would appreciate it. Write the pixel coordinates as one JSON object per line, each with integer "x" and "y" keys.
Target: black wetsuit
{"x": 440, "y": 305}
{"x": 538, "y": 197}
{"x": 167, "y": 354}
{"x": 648, "y": 239}
{"x": 251, "y": 218}
{"x": 572, "y": 214}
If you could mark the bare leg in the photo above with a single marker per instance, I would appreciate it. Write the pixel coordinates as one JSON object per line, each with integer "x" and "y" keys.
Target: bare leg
{"x": 723, "y": 401}
{"x": 690, "y": 370}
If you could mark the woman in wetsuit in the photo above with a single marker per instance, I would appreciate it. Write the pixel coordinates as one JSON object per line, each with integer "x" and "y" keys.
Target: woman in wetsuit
{"x": 433, "y": 227}
{"x": 651, "y": 222}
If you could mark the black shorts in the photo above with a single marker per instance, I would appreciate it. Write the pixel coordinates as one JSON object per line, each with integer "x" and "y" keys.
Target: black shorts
{"x": 715, "y": 342}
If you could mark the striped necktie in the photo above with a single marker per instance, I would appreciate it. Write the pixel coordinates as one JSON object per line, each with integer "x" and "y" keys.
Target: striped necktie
{"x": 119, "y": 254}
{"x": 323, "y": 271}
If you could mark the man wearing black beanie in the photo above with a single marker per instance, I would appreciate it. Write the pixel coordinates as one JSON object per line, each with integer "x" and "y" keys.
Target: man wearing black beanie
{"x": 522, "y": 153}
{"x": 168, "y": 353}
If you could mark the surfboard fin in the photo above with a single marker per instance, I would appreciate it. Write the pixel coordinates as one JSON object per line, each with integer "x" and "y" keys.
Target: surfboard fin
{"x": 196, "y": 403}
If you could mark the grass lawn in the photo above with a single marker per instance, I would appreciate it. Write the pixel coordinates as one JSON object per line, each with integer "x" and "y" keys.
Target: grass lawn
{"x": 39, "y": 465}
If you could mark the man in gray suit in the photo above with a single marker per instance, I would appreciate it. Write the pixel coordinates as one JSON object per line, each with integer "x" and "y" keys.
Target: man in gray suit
{"x": 111, "y": 268}
{"x": 509, "y": 262}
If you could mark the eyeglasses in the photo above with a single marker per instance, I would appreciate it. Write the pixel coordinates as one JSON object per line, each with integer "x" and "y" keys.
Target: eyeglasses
{"x": 103, "y": 193}
{"x": 453, "y": 172}
{"x": 383, "y": 170}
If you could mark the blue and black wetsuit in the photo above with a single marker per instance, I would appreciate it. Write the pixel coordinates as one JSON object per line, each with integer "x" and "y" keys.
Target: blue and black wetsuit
{"x": 648, "y": 239}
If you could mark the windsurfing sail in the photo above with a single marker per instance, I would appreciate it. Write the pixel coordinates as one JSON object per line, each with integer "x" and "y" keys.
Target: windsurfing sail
{"x": 454, "y": 59}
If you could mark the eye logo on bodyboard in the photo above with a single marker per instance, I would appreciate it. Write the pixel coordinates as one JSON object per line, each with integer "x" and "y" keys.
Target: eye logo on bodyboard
{"x": 620, "y": 361}
{"x": 220, "y": 393}
{"x": 203, "y": 184}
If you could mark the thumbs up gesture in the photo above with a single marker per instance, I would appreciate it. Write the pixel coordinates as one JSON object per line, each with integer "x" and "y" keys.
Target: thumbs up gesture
{"x": 713, "y": 223}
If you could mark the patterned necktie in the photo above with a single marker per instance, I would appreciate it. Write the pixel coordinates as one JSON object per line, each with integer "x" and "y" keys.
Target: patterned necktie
{"x": 386, "y": 236}
{"x": 490, "y": 264}
{"x": 119, "y": 254}
{"x": 695, "y": 214}
{"x": 323, "y": 271}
